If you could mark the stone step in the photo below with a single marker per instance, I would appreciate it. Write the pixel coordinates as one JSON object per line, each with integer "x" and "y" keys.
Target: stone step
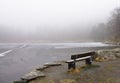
{"x": 52, "y": 64}
{"x": 41, "y": 68}
{"x": 33, "y": 75}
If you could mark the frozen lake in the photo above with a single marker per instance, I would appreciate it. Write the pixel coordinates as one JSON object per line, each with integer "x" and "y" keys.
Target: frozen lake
{"x": 18, "y": 59}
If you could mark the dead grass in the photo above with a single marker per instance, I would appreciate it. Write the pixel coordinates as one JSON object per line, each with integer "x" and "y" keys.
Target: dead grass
{"x": 43, "y": 80}
{"x": 68, "y": 81}
{"x": 80, "y": 69}
{"x": 103, "y": 72}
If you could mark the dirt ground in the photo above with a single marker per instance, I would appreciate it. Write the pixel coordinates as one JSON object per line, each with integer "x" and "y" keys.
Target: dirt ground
{"x": 100, "y": 72}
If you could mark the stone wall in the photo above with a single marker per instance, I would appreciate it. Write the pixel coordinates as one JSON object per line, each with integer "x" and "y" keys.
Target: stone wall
{"x": 107, "y": 54}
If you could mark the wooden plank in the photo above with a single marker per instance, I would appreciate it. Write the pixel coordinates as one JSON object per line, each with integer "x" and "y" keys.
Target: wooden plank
{"x": 78, "y": 59}
{"x": 90, "y": 53}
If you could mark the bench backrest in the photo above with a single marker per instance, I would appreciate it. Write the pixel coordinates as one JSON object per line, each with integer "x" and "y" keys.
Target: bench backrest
{"x": 82, "y": 55}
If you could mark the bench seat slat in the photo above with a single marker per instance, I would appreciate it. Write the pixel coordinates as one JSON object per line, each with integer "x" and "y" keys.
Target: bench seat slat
{"x": 78, "y": 59}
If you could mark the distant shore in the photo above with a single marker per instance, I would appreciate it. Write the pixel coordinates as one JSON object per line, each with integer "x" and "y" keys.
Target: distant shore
{"x": 112, "y": 42}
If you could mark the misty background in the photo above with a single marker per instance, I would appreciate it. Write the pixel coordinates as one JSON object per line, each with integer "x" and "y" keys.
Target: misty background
{"x": 56, "y": 20}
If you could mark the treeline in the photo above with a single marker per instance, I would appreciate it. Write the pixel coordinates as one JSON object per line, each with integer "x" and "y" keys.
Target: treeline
{"x": 109, "y": 31}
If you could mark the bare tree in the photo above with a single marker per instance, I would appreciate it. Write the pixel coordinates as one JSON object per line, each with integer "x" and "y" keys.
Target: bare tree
{"x": 114, "y": 25}
{"x": 109, "y": 31}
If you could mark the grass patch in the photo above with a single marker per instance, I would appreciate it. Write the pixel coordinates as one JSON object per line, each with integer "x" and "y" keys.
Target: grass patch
{"x": 43, "y": 80}
{"x": 78, "y": 70}
{"x": 89, "y": 67}
{"x": 74, "y": 71}
{"x": 68, "y": 81}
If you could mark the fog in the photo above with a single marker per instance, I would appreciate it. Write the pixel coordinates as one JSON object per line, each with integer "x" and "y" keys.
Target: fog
{"x": 52, "y": 20}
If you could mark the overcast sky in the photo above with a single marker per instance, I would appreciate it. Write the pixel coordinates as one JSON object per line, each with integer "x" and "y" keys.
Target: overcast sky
{"x": 54, "y": 16}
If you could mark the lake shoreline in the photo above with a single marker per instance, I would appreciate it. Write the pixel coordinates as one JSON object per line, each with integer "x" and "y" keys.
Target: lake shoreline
{"x": 22, "y": 60}
{"x": 59, "y": 74}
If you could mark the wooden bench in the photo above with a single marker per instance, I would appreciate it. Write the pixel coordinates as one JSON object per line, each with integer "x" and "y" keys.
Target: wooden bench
{"x": 87, "y": 56}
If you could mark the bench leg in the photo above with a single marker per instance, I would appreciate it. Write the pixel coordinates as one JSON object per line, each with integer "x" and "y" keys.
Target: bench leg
{"x": 88, "y": 61}
{"x": 71, "y": 65}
